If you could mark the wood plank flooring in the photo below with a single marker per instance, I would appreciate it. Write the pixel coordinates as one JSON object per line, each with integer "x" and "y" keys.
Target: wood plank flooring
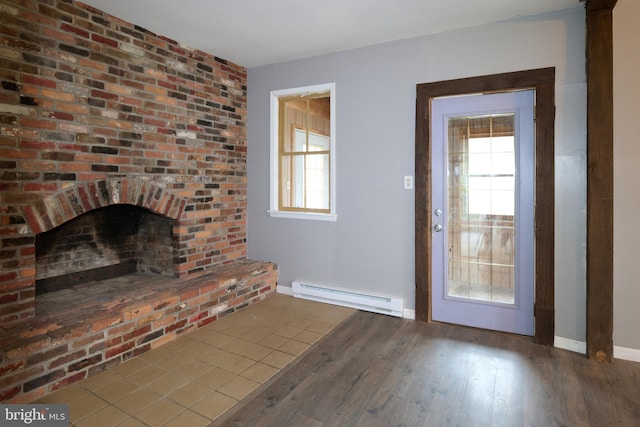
{"x": 376, "y": 370}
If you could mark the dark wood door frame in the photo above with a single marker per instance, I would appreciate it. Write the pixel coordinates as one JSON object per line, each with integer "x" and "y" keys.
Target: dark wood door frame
{"x": 543, "y": 82}
{"x": 599, "y": 17}
{"x": 599, "y": 319}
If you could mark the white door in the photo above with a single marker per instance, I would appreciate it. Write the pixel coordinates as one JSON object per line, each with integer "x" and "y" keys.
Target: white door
{"x": 483, "y": 211}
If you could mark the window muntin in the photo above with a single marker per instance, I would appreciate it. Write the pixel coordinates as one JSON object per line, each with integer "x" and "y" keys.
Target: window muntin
{"x": 303, "y": 153}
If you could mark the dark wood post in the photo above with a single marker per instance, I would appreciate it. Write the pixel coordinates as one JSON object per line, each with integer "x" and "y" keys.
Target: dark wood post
{"x": 599, "y": 16}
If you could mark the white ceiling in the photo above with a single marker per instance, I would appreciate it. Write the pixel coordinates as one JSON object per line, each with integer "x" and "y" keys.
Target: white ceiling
{"x": 259, "y": 32}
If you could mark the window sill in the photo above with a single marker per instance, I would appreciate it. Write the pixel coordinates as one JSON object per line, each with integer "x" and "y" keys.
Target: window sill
{"x": 303, "y": 215}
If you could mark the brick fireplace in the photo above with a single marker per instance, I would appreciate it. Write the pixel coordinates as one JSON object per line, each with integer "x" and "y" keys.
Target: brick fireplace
{"x": 122, "y": 153}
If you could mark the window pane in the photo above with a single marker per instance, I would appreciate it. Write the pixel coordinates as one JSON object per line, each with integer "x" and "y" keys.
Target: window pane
{"x": 502, "y": 144}
{"x": 294, "y": 114}
{"x": 480, "y": 183}
{"x": 480, "y": 202}
{"x": 318, "y": 142}
{"x": 503, "y": 183}
{"x": 292, "y": 182}
{"x": 491, "y": 172}
{"x": 298, "y": 180}
{"x": 502, "y": 164}
{"x": 319, "y": 114}
{"x": 480, "y": 164}
{"x": 502, "y": 203}
{"x": 317, "y": 181}
{"x": 300, "y": 140}
{"x": 479, "y": 145}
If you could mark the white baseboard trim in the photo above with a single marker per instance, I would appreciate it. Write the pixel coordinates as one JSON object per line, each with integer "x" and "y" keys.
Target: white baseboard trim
{"x": 569, "y": 344}
{"x": 409, "y": 314}
{"x": 626, "y": 353}
{"x": 284, "y": 290}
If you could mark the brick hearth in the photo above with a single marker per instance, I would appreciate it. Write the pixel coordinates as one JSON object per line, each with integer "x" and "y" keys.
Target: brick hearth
{"x": 82, "y": 331}
{"x": 95, "y": 113}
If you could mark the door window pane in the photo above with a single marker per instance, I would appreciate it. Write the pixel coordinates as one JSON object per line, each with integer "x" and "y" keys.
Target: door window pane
{"x": 481, "y": 207}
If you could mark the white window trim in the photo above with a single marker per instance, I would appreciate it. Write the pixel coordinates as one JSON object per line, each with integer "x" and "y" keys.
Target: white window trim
{"x": 275, "y": 173}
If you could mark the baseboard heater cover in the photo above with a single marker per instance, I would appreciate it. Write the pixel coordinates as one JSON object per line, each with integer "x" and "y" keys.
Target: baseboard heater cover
{"x": 392, "y": 306}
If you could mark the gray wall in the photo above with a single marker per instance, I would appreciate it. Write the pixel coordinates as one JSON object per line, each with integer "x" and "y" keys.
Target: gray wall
{"x": 371, "y": 245}
{"x": 626, "y": 87}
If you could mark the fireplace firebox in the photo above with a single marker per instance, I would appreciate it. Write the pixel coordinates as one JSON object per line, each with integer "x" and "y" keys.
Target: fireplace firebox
{"x": 104, "y": 243}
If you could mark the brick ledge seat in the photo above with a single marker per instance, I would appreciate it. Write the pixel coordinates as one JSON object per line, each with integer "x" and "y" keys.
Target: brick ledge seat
{"x": 74, "y": 336}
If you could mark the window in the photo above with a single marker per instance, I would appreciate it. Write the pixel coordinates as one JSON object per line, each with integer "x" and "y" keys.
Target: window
{"x": 303, "y": 153}
{"x": 482, "y": 164}
{"x": 492, "y": 176}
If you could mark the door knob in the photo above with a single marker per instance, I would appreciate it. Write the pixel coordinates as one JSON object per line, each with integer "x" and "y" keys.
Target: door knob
{"x": 437, "y": 228}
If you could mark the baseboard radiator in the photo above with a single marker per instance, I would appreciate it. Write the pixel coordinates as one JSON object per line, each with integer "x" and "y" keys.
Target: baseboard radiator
{"x": 392, "y": 306}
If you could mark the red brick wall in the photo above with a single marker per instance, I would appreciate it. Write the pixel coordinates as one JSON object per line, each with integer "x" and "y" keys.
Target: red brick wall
{"x": 87, "y": 100}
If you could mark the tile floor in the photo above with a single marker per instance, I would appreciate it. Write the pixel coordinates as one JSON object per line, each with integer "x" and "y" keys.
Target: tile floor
{"x": 194, "y": 379}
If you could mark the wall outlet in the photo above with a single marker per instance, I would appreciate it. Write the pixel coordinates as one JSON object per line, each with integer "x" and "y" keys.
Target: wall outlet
{"x": 408, "y": 182}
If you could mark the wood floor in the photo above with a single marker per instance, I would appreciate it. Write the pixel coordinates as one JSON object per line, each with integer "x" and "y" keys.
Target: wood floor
{"x": 375, "y": 370}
